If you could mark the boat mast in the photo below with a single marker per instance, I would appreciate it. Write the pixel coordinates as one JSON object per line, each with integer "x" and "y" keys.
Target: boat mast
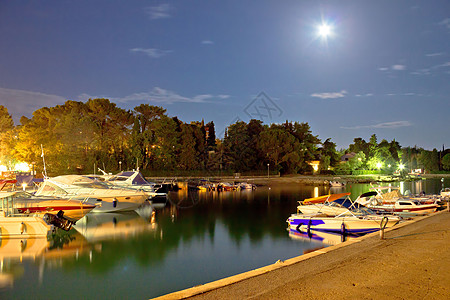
{"x": 43, "y": 160}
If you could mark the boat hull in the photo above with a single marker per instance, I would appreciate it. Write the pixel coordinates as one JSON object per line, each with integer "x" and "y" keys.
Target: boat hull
{"x": 324, "y": 209}
{"x": 344, "y": 225}
{"x": 73, "y": 209}
{"x": 23, "y": 227}
{"x": 120, "y": 204}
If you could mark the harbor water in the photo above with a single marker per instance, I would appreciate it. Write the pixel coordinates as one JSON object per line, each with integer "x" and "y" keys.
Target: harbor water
{"x": 194, "y": 238}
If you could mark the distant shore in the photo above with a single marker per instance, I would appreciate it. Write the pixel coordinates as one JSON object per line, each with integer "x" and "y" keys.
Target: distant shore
{"x": 305, "y": 179}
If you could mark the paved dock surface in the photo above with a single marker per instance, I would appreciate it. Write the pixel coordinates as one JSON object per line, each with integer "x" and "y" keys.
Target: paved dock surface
{"x": 412, "y": 262}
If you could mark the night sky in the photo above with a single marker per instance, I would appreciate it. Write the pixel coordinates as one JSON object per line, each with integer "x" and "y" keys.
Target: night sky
{"x": 384, "y": 67}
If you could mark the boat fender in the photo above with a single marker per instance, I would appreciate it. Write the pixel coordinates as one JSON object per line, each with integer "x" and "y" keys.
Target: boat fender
{"x": 298, "y": 227}
{"x": 23, "y": 228}
{"x": 115, "y": 202}
{"x": 308, "y": 230}
{"x": 343, "y": 229}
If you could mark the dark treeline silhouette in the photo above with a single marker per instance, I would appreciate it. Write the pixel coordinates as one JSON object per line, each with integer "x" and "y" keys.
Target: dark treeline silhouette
{"x": 79, "y": 137}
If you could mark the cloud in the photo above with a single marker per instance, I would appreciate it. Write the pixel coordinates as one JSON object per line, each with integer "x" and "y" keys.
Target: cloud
{"x": 386, "y": 125}
{"x": 393, "y": 67}
{"x": 24, "y": 103}
{"x": 445, "y": 22}
{"x": 428, "y": 71}
{"x": 421, "y": 72}
{"x": 444, "y": 65}
{"x": 152, "y": 52}
{"x": 159, "y": 95}
{"x": 159, "y": 11}
{"x": 334, "y": 95}
{"x": 364, "y": 95}
{"x": 398, "y": 67}
{"x": 207, "y": 42}
{"x": 434, "y": 54}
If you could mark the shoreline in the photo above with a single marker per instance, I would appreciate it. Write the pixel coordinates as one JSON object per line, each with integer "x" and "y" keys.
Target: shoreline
{"x": 364, "y": 268}
{"x": 305, "y": 179}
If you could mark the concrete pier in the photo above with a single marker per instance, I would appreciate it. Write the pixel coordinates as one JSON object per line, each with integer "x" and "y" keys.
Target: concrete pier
{"x": 411, "y": 262}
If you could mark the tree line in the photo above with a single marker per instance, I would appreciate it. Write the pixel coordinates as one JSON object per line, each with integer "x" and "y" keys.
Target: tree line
{"x": 78, "y": 137}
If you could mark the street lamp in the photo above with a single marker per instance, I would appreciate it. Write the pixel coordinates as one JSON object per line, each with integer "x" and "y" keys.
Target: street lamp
{"x": 378, "y": 166}
{"x": 268, "y": 171}
{"x": 120, "y": 166}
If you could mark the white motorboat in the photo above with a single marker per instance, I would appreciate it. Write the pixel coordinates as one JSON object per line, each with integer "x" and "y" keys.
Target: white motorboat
{"x": 74, "y": 209}
{"x": 112, "y": 199}
{"x": 133, "y": 180}
{"x": 330, "y": 205}
{"x": 356, "y": 225}
{"x": 412, "y": 207}
{"x": 397, "y": 204}
{"x": 14, "y": 225}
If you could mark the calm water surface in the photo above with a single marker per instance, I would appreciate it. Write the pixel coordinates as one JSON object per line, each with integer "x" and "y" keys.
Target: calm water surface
{"x": 196, "y": 238}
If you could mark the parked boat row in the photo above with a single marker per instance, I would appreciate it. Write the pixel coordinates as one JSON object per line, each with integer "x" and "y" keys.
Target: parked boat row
{"x": 370, "y": 212}
{"x": 206, "y": 185}
{"x": 63, "y": 200}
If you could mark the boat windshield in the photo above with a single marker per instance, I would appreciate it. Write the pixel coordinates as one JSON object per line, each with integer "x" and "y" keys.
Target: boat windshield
{"x": 92, "y": 185}
{"x": 139, "y": 180}
{"x": 48, "y": 188}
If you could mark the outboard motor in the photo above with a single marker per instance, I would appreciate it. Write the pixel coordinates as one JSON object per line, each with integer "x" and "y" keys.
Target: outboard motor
{"x": 58, "y": 220}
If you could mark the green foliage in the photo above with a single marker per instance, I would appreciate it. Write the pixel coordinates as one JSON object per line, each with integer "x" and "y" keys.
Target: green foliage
{"x": 429, "y": 160}
{"x": 7, "y": 136}
{"x": 78, "y": 137}
{"x": 446, "y": 162}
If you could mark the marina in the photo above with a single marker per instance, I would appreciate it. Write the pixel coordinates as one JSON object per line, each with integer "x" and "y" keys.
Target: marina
{"x": 195, "y": 237}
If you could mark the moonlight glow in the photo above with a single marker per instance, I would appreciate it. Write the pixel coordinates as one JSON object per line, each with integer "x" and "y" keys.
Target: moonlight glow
{"x": 324, "y": 31}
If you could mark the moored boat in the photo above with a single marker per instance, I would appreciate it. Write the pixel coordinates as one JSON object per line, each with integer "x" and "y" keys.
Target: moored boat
{"x": 74, "y": 209}
{"x": 330, "y": 205}
{"x": 133, "y": 180}
{"x": 14, "y": 225}
{"x": 112, "y": 199}
{"x": 356, "y": 225}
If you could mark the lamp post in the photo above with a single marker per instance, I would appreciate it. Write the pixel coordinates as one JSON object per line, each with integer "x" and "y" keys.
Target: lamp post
{"x": 120, "y": 166}
{"x": 268, "y": 174}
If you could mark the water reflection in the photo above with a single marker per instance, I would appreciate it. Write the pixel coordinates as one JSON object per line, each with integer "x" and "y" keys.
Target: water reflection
{"x": 115, "y": 226}
{"x": 320, "y": 237}
{"x": 44, "y": 252}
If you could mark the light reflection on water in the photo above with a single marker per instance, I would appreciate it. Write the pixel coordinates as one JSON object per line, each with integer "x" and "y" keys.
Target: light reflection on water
{"x": 196, "y": 238}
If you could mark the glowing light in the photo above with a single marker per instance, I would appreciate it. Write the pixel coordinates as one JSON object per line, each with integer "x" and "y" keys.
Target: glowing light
{"x": 22, "y": 166}
{"x": 3, "y": 168}
{"x": 325, "y": 31}
{"x": 379, "y": 165}
{"x": 401, "y": 166}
